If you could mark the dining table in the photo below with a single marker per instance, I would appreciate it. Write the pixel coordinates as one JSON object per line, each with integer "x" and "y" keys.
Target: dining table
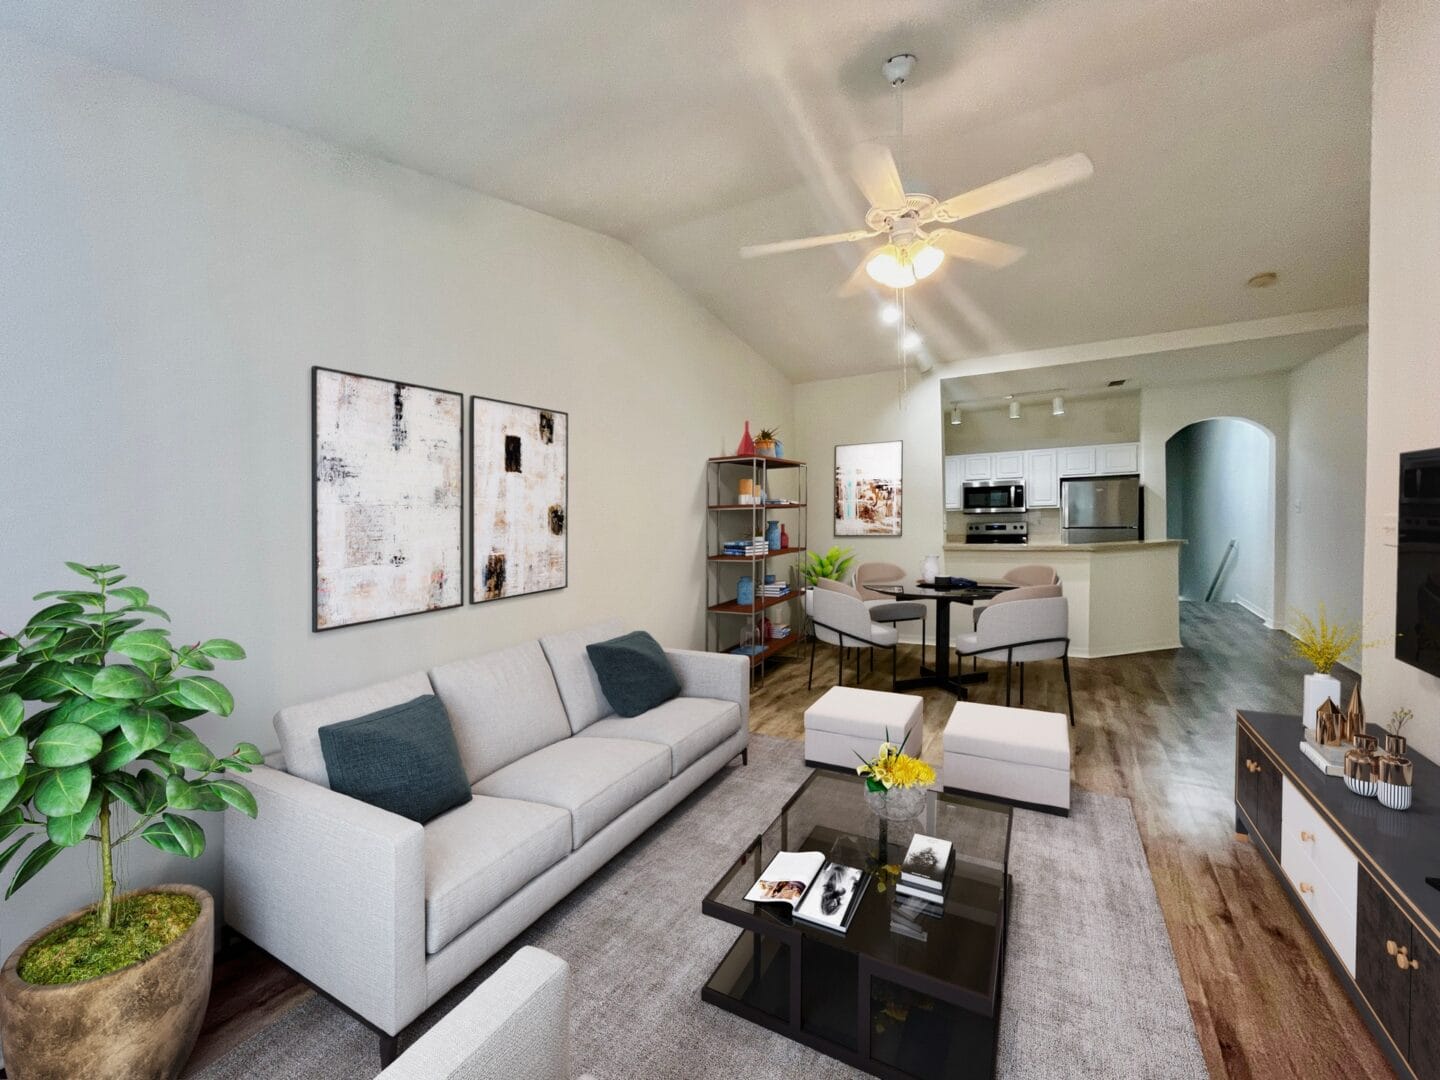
{"x": 940, "y": 674}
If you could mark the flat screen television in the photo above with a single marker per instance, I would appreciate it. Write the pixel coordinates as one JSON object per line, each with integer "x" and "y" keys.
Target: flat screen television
{"x": 1417, "y": 584}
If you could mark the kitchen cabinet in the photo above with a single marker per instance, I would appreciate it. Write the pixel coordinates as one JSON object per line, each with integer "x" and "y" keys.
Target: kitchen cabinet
{"x": 1117, "y": 458}
{"x": 976, "y": 467}
{"x": 1008, "y": 466}
{"x": 1042, "y": 479}
{"x": 954, "y": 473}
{"x": 1076, "y": 461}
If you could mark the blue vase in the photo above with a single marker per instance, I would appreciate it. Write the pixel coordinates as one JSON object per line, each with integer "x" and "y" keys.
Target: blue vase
{"x": 779, "y": 449}
{"x": 772, "y": 535}
{"x": 745, "y": 590}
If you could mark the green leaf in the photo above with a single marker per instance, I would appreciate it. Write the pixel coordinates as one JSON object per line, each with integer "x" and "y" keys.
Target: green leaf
{"x": 201, "y": 692}
{"x": 45, "y": 682}
{"x": 83, "y": 571}
{"x": 198, "y": 662}
{"x": 192, "y": 754}
{"x": 123, "y": 683}
{"x": 236, "y": 794}
{"x": 152, "y": 791}
{"x": 131, "y": 594}
{"x": 249, "y": 753}
{"x": 222, "y": 649}
{"x": 12, "y": 712}
{"x": 101, "y": 717}
{"x": 69, "y": 831}
{"x": 64, "y": 791}
{"x": 181, "y": 794}
{"x": 177, "y": 835}
{"x": 144, "y": 728}
{"x": 55, "y": 611}
{"x": 37, "y": 860}
{"x": 9, "y": 853}
{"x": 80, "y": 677}
{"x": 12, "y": 675}
{"x": 12, "y": 756}
{"x": 10, "y": 820}
{"x": 39, "y": 648}
{"x": 66, "y": 744}
{"x": 8, "y": 790}
{"x": 126, "y": 788}
{"x": 86, "y": 599}
{"x": 9, "y": 646}
{"x": 117, "y": 753}
{"x": 147, "y": 645}
{"x": 149, "y": 609}
{"x": 231, "y": 764}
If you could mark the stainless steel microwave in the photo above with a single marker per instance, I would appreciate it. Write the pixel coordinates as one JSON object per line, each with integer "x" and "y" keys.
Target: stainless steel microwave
{"x": 992, "y": 497}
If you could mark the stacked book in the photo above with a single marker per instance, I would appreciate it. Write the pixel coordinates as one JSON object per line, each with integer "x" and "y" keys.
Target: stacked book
{"x": 776, "y": 588}
{"x": 779, "y": 630}
{"x": 908, "y": 915}
{"x": 755, "y": 545}
{"x": 925, "y": 870}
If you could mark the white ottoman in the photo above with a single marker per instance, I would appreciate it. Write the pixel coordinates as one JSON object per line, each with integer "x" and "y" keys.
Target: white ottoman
{"x": 1018, "y": 756}
{"x": 847, "y": 721}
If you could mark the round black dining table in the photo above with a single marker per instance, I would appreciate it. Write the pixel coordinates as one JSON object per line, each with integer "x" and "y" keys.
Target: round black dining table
{"x": 940, "y": 674}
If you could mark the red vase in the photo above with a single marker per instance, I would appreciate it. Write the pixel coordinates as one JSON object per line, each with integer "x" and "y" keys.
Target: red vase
{"x": 747, "y": 444}
{"x": 784, "y": 538}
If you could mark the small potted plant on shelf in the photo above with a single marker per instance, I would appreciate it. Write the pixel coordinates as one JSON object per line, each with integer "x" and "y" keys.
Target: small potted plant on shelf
{"x": 895, "y": 782}
{"x": 103, "y": 755}
{"x": 767, "y": 444}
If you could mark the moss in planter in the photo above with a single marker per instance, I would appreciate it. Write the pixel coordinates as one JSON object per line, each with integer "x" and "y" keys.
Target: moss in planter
{"x": 80, "y": 950}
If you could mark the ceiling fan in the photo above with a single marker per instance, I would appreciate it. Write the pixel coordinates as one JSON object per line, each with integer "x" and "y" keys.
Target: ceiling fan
{"x": 913, "y": 224}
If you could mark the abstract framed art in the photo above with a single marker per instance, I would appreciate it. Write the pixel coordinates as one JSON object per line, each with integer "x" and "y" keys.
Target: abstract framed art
{"x": 388, "y": 498}
{"x": 868, "y": 489}
{"x": 519, "y": 492}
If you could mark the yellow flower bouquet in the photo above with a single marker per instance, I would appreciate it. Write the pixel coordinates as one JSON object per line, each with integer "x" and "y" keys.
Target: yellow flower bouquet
{"x": 895, "y": 783}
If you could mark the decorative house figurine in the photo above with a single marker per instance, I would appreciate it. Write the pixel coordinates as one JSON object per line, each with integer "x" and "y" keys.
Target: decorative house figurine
{"x": 1329, "y": 724}
{"x": 1354, "y": 724}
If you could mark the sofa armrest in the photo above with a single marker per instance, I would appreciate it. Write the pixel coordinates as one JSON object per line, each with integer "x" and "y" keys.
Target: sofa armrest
{"x": 513, "y": 1026}
{"x": 724, "y": 676}
{"x": 335, "y": 889}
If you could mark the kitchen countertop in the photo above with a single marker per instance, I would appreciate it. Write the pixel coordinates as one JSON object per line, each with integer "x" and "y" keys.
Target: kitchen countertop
{"x": 1011, "y": 549}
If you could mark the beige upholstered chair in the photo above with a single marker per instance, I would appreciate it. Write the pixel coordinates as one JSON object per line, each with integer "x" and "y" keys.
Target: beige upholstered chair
{"x": 877, "y": 573}
{"x": 1020, "y": 631}
{"x": 1024, "y": 592}
{"x": 883, "y": 606}
{"x": 843, "y": 620}
{"x": 1032, "y": 574}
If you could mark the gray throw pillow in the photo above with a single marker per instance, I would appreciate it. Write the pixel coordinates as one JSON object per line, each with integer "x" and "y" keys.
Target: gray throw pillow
{"x": 403, "y": 759}
{"x": 634, "y": 672}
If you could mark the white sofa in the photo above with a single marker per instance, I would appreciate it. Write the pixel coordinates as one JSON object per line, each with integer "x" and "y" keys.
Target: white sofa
{"x": 386, "y": 915}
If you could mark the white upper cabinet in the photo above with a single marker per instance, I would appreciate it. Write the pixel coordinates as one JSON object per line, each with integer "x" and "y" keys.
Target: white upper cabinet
{"x": 1076, "y": 461}
{"x": 953, "y": 474}
{"x": 1042, "y": 479}
{"x": 1008, "y": 466}
{"x": 977, "y": 467}
{"x": 1118, "y": 458}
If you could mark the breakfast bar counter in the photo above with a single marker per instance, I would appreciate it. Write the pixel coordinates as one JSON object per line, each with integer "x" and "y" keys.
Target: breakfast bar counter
{"x": 1124, "y": 597}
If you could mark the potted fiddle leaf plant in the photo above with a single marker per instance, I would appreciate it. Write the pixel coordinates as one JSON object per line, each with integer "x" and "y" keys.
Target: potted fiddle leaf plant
{"x": 96, "y": 748}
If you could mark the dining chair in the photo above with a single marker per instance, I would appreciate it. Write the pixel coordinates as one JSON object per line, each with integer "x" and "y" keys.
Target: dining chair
{"x": 1021, "y": 631}
{"x": 844, "y": 621}
{"x": 883, "y": 606}
{"x": 1032, "y": 574}
{"x": 1009, "y": 596}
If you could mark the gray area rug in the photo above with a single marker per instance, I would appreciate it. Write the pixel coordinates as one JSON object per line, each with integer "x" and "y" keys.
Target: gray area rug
{"x": 1091, "y": 986}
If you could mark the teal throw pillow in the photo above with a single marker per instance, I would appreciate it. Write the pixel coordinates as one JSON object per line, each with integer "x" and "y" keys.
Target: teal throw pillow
{"x": 634, "y": 672}
{"x": 403, "y": 759}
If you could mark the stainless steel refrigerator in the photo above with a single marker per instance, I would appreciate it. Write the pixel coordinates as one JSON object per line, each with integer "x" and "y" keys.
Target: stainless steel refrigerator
{"x": 1101, "y": 509}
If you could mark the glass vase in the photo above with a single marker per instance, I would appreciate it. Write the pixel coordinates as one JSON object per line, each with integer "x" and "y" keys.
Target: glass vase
{"x": 897, "y": 804}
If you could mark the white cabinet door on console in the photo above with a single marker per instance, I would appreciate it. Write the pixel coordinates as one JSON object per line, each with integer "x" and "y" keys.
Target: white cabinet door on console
{"x": 1321, "y": 868}
{"x": 1008, "y": 466}
{"x": 1077, "y": 461}
{"x": 1118, "y": 458}
{"x": 1042, "y": 480}
{"x": 977, "y": 466}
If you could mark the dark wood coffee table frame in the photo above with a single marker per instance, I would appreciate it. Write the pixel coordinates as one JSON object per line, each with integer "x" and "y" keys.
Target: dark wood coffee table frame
{"x": 762, "y": 931}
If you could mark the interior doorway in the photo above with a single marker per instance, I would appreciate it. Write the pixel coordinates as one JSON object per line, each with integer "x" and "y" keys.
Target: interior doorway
{"x": 1220, "y": 499}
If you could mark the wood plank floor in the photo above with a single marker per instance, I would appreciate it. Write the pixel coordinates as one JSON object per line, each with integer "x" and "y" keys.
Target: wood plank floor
{"x": 1157, "y": 728}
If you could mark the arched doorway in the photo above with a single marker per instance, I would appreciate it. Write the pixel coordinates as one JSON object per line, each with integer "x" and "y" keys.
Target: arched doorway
{"x": 1220, "y": 499}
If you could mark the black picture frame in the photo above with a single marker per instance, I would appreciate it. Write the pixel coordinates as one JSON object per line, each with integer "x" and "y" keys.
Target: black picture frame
{"x": 835, "y": 468}
{"x": 475, "y": 576}
{"x": 315, "y": 372}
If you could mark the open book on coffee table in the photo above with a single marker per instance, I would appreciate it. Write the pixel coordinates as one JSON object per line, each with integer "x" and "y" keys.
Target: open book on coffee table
{"x": 818, "y": 891}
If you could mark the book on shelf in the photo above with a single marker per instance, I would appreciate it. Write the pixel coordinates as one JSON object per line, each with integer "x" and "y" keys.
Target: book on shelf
{"x": 817, "y": 891}
{"x": 748, "y": 650}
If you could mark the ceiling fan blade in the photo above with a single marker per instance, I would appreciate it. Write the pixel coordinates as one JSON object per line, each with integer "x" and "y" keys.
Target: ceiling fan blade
{"x": 752, "y": 251}
{"x": 858, "y": 281}
{"x": 1025, "y": 184}
{"x": 873, "y": 167}
{"x": 963, "y": 245}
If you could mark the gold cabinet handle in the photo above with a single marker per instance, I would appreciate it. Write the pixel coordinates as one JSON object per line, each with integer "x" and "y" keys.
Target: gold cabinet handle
{"x": 1307, "y": 837}
{"x": 1252, "y": 765}
{"x": 1391, "y": 947}
{"x": 1306, "y": 887}
{"x": 1414, "y": 964}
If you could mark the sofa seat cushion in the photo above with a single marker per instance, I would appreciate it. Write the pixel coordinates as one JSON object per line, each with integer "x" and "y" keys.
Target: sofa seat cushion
{"x": 479, "y": 855}
{"x": 596, "y": 780}
{"x": 690, "y": 727}
{"x": 574, "y": 674}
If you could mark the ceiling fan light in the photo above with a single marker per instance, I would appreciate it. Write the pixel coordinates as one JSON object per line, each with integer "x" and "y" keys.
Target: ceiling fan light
{"x": 926, "y": 259}
{"x": 889, "y": 267}
{"x": 955, "y": 415}
{"x": 1057, "y": 406}
{"x": 1014, "y": 410}
{"x": 889, "y": 314}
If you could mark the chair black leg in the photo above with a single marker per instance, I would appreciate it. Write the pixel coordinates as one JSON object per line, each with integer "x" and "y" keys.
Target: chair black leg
{"x": 1007, "y": 683}
{"x": 811, "y": 684}
{"x": 1069, "y": 695}
{"x": 922, "y": 642}
{"x": 745, "y": 756}
{"x": 894, "y": 664}
{"x": 1022, "y": 682}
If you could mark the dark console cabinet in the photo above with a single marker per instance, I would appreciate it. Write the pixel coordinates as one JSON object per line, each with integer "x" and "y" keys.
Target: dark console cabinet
{"x": 1356, "y": 872}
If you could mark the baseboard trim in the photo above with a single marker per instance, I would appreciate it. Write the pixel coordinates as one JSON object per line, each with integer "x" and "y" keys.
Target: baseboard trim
{"x": 1264, "y": 616}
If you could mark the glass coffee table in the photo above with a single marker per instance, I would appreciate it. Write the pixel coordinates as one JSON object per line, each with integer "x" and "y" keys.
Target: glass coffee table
{"x": 902, "y": 993}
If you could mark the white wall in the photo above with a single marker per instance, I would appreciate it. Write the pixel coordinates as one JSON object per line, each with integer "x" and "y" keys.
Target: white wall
{"x": 170, "y": 272}
{"x": 1218, "y": 494}
{"x": 1326, "y": 487}
{"x": 1403, "y": 405}
{"x": 1087, "y": 422}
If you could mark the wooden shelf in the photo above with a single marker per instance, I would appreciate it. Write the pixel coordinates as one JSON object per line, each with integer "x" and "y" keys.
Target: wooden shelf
{"x": 756, "y": 506}
{"x": 755, "y": 558}
{"x": 733, "y": 607}
{"x": 772, "y": 648}
{"x": 759, "y": 459}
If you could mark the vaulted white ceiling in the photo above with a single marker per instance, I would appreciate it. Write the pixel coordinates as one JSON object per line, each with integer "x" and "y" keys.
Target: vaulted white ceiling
{"x": 1229, "y": 137}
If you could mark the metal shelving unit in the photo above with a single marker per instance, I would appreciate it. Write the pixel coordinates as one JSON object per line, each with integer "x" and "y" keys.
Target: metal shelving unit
{"x": 730, "y": 519}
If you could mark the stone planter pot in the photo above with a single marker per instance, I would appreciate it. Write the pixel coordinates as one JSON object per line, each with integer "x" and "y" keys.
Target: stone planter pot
{"x": 138, "y": 1023}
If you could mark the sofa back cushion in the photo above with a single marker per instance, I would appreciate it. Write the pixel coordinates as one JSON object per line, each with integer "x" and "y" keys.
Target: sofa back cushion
{"x": 502, "y": 705}
{"x": 298, "y": 726}
{"x": 575, "y": 675}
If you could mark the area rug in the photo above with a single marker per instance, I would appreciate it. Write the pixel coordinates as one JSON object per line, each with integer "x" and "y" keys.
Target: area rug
{"x": 1091, "y": 986}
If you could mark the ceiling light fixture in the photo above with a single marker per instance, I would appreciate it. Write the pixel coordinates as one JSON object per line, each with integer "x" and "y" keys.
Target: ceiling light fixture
{"x": 1014, "y": 409}
{"x": 889, "y": 314}
{"x": 911, "y": 341}
{"x": 1057, "y": 406}
{"x": 899, "y": 266}
{"x": 955, "y": 415}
